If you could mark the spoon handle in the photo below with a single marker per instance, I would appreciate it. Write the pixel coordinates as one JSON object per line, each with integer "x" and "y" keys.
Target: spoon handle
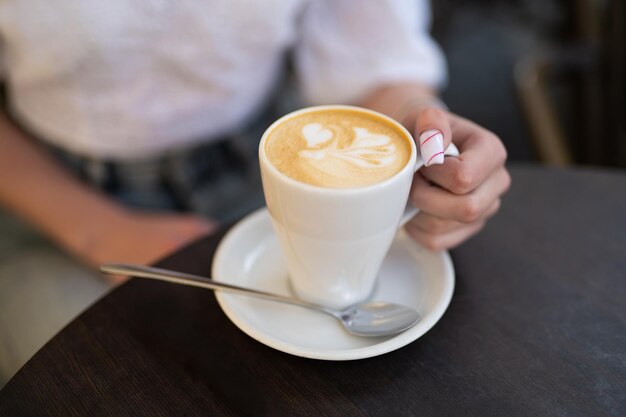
{"x": 141, "y": 271}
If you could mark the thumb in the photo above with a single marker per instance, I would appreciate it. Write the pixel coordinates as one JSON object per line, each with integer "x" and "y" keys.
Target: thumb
{"x": 434, "y": 135}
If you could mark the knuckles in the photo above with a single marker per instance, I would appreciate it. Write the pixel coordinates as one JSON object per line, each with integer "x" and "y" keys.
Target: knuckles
{"x": 496, "y": 207}
{"x": 507, "y": 181}
{"x": 463, "y": 180}
{"x": 499, "y": 152}
{"x": 436, "y": 226}
{"x": 469, "y": 210}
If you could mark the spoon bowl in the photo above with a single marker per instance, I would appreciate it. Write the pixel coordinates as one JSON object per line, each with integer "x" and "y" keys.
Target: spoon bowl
{"x": 369, "y": 319}
{"x": 378, "y": 319}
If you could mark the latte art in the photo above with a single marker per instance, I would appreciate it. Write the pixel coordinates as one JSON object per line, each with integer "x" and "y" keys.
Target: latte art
{"x": 368, "y": 150}
{"x": 338, "y": 148}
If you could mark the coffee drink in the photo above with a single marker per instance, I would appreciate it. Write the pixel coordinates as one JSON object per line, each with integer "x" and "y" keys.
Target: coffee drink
{"x": 338, "y": 148}
{"x": 336, "y": 181}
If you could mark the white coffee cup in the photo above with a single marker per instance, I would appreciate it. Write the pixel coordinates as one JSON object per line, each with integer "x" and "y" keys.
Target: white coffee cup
{"x": 335, "y": 239}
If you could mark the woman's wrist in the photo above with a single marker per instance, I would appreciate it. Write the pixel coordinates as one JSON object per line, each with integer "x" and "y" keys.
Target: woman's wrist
{"x": 96, "y": 217}
{"x": 403, "y": 101}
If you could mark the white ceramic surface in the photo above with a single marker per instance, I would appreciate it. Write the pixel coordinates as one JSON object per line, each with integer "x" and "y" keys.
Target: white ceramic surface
{"x": 249, "y": 255}
{"x": 334, "y": 239}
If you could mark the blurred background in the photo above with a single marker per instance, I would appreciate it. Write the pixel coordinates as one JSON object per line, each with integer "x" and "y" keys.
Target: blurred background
{"x": 547, "y": 76}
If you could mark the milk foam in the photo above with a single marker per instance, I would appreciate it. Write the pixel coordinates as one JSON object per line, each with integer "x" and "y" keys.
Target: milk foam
{"x": 368, "y": 150}
{"x": 338, "y": 148}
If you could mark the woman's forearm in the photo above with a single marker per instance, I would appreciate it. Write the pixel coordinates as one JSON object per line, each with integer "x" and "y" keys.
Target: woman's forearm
{"x": 37, "y": 188}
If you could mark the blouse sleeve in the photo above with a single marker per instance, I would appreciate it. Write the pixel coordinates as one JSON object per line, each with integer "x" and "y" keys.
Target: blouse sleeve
{"x": 348, "y": 47}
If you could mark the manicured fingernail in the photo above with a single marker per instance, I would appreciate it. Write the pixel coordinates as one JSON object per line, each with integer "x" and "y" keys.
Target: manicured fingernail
{"x": 431, "y": 147}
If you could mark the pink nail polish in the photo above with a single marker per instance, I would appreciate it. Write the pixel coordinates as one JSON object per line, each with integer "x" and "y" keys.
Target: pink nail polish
{"x": 431, "y": 147}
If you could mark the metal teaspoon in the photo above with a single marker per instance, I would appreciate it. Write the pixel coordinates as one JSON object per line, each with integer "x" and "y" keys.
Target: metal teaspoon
{"x": 373, "y": 318}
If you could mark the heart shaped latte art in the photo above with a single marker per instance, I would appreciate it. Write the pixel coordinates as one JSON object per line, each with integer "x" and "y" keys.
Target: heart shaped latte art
{"x": 315, "y": 133}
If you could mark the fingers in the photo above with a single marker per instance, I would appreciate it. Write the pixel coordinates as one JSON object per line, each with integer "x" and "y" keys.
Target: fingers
{"x": 431, "y": 224}
{"x": 192, "y": 224}
{"x": 116, "y": 280}
{"x": 481, "y": 153}
{"x": 437, "y": 242}
{"x": 457, "y": 197}
{"x": 176, "y": 224}
{"x": 434, "y": 134}
{"x": 466, "y": 208}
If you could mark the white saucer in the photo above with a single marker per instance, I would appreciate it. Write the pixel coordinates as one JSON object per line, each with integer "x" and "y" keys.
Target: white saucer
{"x": 249, "y": 255}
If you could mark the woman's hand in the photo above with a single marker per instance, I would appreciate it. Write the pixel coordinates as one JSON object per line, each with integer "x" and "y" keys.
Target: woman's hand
{"x": 456, "y": 196}
{"x": 85, "y": 222}
{"x": 143, "y": 238}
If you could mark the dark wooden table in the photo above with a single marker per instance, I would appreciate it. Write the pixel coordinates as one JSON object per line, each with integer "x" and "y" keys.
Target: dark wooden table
{"x": 536, "y": 327}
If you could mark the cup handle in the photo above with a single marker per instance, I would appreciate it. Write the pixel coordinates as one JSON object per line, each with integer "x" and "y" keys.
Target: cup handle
{"x": 411, "y": 211}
